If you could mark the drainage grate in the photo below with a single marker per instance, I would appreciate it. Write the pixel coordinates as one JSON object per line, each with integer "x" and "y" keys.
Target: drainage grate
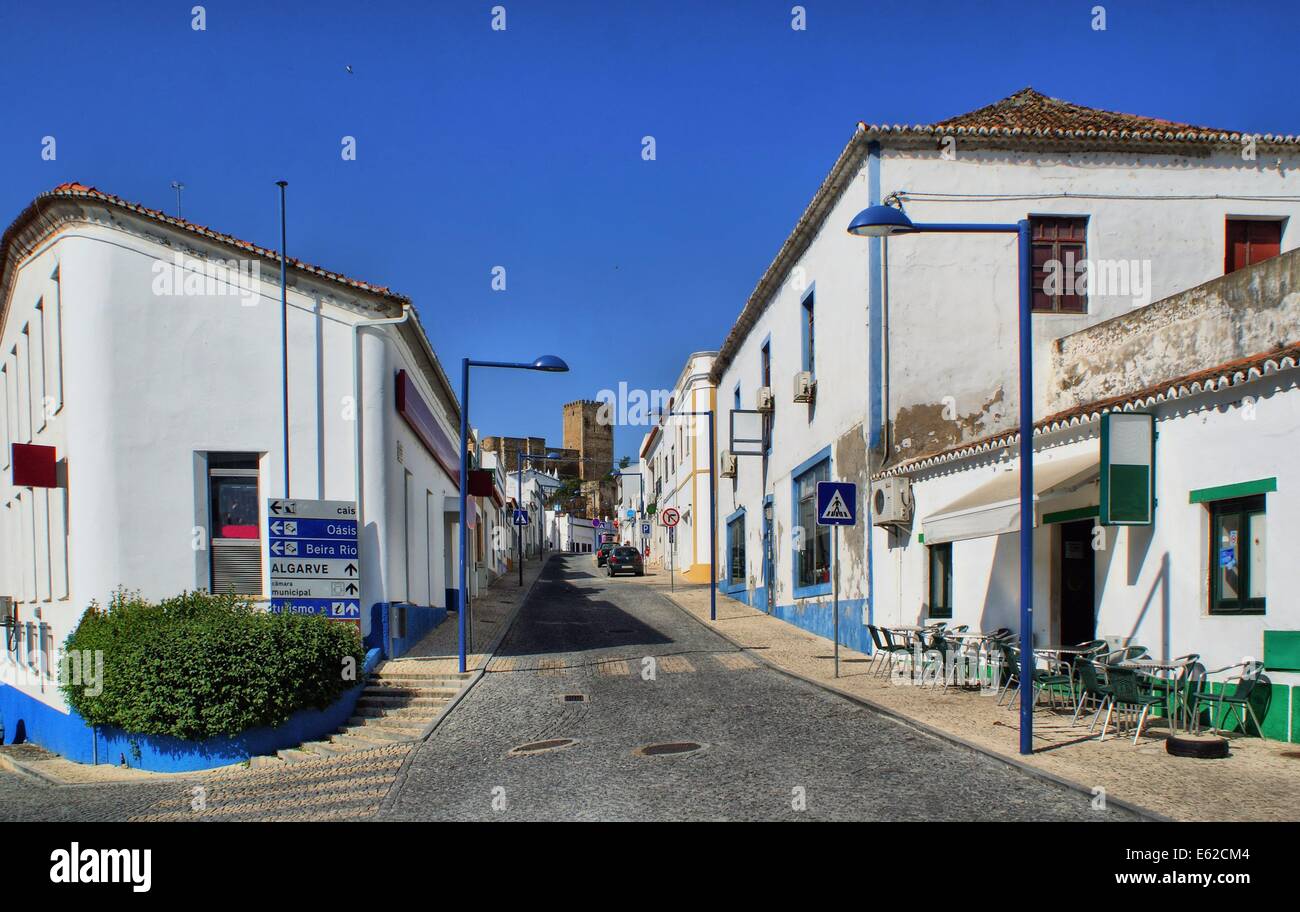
{"x": 575, "y": 698}
{"x": 537, "y": 747}
{"x": 668, "y": 748}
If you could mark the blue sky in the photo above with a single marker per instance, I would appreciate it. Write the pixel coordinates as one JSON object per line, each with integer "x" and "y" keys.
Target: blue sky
{"x": 522, "y": 148}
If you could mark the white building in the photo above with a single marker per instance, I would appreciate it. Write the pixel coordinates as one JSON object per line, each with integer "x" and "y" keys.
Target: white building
{"x": 146, "y": 351}
{"x": 631, "y": 507}
{"x": 675, "y": 455}
{"x": 909, "y": 345}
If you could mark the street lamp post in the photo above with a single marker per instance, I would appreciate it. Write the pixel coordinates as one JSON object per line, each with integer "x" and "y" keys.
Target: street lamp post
{"x": 713, "y": 512}
{"x": 548, "y": 363}
{"x": 886, "y": 221}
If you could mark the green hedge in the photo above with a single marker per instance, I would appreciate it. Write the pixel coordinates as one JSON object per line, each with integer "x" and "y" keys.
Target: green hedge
{"x": 200, "y": 665}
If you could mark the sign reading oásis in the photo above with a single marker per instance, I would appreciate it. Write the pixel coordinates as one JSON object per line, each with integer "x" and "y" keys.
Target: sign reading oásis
{"x": 1128, "y": 469}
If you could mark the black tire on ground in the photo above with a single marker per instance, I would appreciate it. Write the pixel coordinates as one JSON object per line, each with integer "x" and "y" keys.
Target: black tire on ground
{"x": 1200, "y": 747}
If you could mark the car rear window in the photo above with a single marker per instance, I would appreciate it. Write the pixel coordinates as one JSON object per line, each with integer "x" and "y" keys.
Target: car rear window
{"x": 625, "y": 552}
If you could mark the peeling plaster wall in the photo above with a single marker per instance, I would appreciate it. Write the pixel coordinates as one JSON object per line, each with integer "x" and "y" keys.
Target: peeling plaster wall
{"x": 1246, "y": 313}
{"x": 952, "y": 331}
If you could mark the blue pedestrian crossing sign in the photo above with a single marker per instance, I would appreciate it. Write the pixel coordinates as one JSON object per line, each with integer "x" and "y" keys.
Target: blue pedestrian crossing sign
{"x": 521, "y": 517}
{"x": 837, "y": 503}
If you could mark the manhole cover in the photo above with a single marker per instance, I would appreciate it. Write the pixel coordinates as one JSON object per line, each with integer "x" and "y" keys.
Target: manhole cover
{"x": 538, "y": 747}
{"x": 668, "y": 748}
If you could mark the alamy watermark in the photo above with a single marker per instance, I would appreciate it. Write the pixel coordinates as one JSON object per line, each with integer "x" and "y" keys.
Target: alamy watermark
{"x": 187, "y": 276}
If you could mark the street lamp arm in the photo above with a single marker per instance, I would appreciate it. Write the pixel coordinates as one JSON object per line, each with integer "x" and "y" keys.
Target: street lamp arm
{"x": 967, "y": 227}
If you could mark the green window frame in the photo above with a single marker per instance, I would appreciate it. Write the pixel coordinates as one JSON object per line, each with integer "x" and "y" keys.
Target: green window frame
{"x": 940, "y": 602}
{"x": 1238, "y": 541}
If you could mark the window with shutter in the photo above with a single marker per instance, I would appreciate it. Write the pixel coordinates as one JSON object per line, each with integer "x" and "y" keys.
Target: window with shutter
{"x": 234, "y": 527}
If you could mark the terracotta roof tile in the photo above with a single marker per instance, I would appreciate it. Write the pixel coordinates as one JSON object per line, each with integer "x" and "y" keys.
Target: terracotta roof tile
{"x": 1029, "y": 114}
{"x": 75, "y": 190}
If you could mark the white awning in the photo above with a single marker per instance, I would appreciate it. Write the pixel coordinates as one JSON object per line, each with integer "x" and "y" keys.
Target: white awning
{"x": 994, "y": 507}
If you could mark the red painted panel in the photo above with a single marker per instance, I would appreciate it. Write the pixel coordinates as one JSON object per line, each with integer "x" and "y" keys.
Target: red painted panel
{"x": 1250, "y": 241}
{"x": 34, "y": 466}
{"x": 480, "y": 482}
{"x": 412, "y": 407}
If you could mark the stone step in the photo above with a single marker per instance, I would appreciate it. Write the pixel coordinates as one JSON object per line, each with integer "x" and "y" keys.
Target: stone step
{"x": 264, "y": 761}
{"x": 405, "y": 692}
{"x": 420, "y": 713}
{"x": 381, "y": 726}
{"x": 369, "y": 732}
{"x": 385, "y": 701}
{"x": 390, "y": 720}
{"x": 293, "y": 755}
{"x": 322, "y": 749}
{"x": 356, "y": 740}
{"x": 408, "y": 675}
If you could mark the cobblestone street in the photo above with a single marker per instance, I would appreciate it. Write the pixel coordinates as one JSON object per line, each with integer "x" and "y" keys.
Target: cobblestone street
{"x": 577, "y": 666}
{"x": 615, "y": 667}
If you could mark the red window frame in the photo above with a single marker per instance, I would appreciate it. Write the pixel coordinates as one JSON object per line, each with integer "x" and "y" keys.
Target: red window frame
{"x": 1250, "y": 241}
{"x": 1061, "y": 239}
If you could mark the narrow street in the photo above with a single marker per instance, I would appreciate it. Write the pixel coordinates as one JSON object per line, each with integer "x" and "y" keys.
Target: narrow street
{"x": 768, "y": 740}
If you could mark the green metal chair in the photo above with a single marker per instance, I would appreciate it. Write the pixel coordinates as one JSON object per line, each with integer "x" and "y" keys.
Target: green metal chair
{"x": 1126, "y": 691}
{"x": 1090, "y": 687}
{"x": 1044, "y": 679}
{"x": 1236, "y": 702}
{"x": 892, "y": 648}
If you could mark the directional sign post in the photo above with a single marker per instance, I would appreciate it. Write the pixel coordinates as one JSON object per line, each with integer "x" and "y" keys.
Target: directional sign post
{"x": 314, "y": 558}
{"x": 670, "y": 518}
{"x": 837, "y": 505}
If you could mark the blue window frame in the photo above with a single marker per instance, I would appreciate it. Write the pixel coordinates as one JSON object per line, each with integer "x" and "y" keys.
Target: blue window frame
{"x": 808, "y": 318}
{"x": 736, "y": 550}
{"x": 811, "y": 551}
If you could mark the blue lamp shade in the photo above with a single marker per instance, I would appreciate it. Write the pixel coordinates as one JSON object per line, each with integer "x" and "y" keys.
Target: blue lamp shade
{"x": 549, "y": 363}
{"x": 880, "y": 221}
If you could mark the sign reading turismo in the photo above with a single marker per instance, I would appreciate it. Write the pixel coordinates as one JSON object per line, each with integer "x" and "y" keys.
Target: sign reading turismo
{"x": 315, "y": 563}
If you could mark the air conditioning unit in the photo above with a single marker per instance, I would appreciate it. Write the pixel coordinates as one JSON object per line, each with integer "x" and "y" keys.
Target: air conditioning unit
{"x": 766, "y": 401}
{"x": 804, "y": 386}
{"x": 891, "y": 501}
{"x": 8, "y": 611}
{"x": 728, "y": 464}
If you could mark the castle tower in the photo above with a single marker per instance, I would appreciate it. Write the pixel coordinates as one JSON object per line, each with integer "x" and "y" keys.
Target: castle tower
{"x": 593, "y": 440}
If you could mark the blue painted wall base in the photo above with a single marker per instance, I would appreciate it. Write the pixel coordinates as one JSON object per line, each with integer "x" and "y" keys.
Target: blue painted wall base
{"x": 814, "y": 615}
{"x": 26, "y": 719}
{"x": 420, "y": 619}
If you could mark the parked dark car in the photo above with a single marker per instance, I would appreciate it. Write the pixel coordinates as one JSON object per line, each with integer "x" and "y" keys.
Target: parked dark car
{"x": 602, "y": 553}
{"x": 624, "y": 559}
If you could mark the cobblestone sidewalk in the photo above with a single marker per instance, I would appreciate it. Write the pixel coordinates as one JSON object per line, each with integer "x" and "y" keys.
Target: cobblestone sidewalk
{"x": 436, "y": 653}
{"x": 1259, "y": 781}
